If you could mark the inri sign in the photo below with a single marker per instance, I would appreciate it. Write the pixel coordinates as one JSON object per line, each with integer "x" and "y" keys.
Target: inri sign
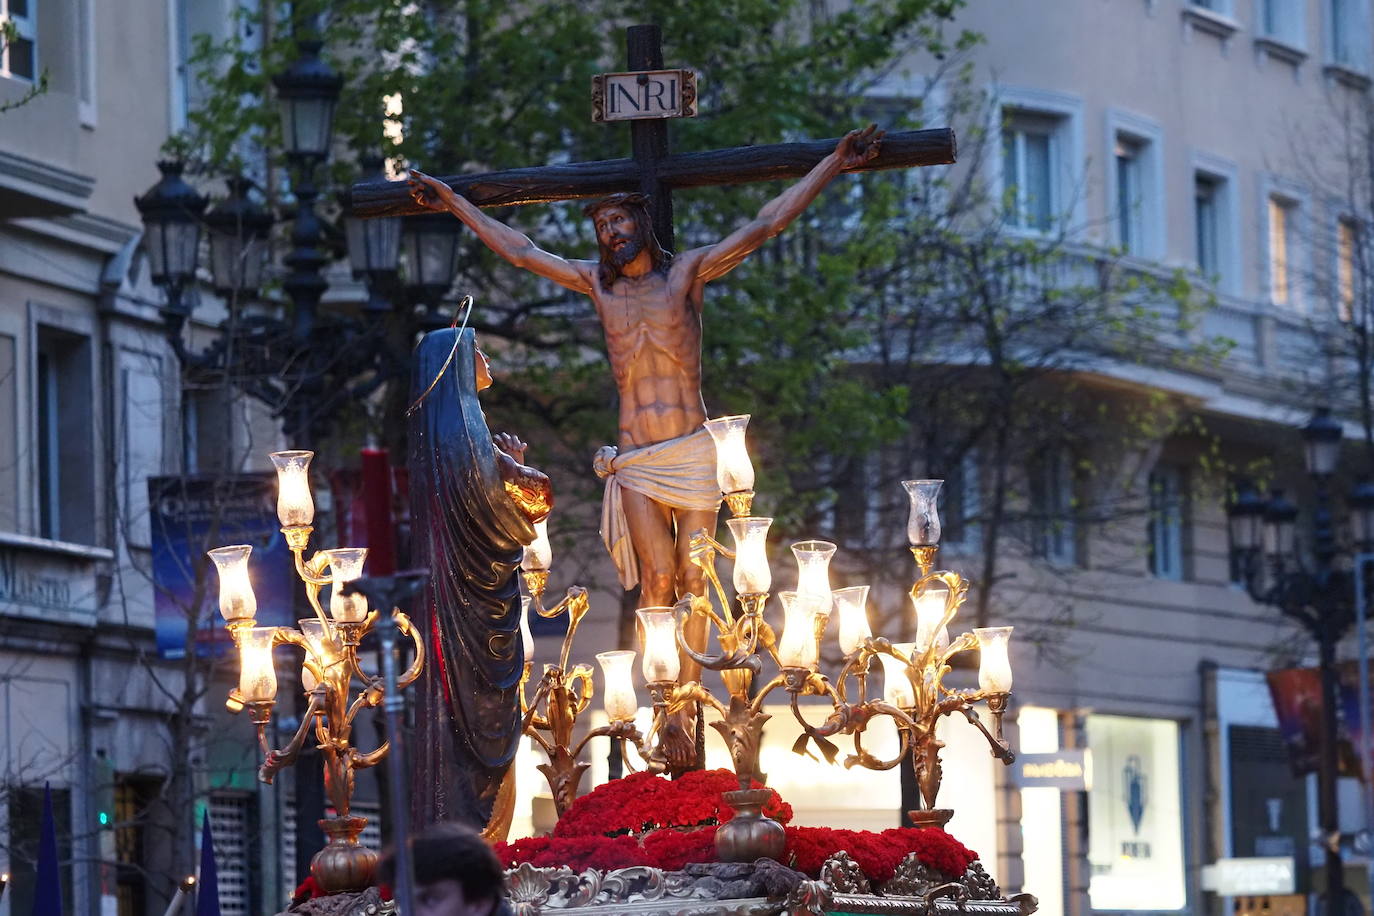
{"x": 644, "y": 94}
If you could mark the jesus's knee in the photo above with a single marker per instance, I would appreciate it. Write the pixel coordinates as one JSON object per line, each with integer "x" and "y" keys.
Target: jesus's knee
{"x": 691, "y": 581}
{"x": 656, "y": 586}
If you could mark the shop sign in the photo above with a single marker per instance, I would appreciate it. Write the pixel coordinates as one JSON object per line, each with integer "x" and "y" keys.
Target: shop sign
{"x": 1066, "y": 770}
{"x": 1250, "y": 876}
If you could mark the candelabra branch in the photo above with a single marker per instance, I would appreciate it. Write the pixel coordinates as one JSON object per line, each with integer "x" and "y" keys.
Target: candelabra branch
{"x": 702, "y": 550}
{"x": 576, "y": 604}
{"x": 1001, "y": 749}
{"x": 275, "y": 760}
{"x": 738, "y": 639}
{"x": 358, "y": 760}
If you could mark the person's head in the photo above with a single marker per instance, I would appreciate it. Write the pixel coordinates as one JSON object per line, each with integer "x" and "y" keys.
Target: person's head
{"x": 456, "y": 872}
{"x": 624, "y": 230}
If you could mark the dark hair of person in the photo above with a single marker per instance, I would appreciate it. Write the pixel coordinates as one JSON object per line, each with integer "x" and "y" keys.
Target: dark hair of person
{"x": 637, "y": 205}
{"x": 454, "y": 851}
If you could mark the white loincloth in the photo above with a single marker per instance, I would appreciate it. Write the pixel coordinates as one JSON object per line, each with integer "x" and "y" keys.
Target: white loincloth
{"x": 680, "y": 473}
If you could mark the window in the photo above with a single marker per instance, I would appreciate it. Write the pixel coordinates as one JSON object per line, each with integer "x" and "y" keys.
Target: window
{"x": 1282, "y": 20}
{"x": 1130, "y": 194}
{"x": 64, "y": 453}
{"x": 1166, "y": 523}
{"x": 1345, "y": 36}
{"x": 1282, "y": 248}
{"x": 1028, "y": 170}
{"x": 959, "y": 503}
{"x": 1347, "y": 250}
{"x": 9, "y": 436}
{"x": 1207, "y": 224}
{"x": 140, "y": 455}
{"x": 1135, "y": 183}
{"x": 1052, "y": 509}
{"x": 19, "y": 57}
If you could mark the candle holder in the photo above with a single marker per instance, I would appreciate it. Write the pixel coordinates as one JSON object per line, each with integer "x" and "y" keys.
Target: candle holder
{"x": 915, "y": 695}
{"x": 331, "y": 664}
{"x": 563, "y": 693}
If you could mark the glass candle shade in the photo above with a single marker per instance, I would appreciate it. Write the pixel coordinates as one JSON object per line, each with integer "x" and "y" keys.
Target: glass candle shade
{"x": 752, "y": 575}
{"x": 930, "y": 611}
{"x": 539, "y": 552}
{"x": 295, "y": 506}
{"x": 320, "y": 646}
{"x": 896, "y": 685}
{"x": 619, "y": 697}
{"x": 661, "y": 662}
{"x": 257, "y": 677}
{"x": 345, "y": 565}
{"x": 923, "y": 524}
{"x": 236, "y": 599}
{"x": 797, "y": 648}
{"x": 734, "y": 470}
{"x": 526, "y": 637}
{"x": 994, "y": 664}
{"x": 852, "y": 605}
{"x": 813, "y": 570}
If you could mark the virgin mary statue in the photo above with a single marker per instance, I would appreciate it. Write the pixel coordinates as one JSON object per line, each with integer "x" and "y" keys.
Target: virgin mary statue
{"x": 469, "y": 531}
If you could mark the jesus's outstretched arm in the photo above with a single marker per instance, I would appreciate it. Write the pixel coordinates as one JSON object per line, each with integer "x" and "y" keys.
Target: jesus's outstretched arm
{"x": 509, "y": 243}
{"x": 855, "y": 148}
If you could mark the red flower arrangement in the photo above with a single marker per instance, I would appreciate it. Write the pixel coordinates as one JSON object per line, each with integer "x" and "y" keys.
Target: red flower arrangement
{"x": 648, "y": 820}
{"x": 878, "y": 854}
{"x": 641, "y": 802}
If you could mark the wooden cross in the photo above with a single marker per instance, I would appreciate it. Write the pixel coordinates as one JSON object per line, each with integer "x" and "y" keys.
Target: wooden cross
{"x": 652, "y": 169}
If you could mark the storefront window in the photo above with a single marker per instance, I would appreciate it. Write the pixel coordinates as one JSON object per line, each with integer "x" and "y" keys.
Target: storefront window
{"x": 1135, "y": 815}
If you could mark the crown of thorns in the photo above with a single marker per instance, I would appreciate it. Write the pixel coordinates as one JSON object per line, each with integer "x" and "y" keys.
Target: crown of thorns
{"x": 618, "y": 199}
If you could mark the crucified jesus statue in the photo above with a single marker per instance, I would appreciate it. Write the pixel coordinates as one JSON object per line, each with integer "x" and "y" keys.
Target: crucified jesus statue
{"x": 661, "y": 483}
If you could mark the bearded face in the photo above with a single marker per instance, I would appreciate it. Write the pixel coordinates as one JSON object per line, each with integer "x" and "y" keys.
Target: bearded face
{"x": 623, "y": 249}
{"x": 620, "y": 236}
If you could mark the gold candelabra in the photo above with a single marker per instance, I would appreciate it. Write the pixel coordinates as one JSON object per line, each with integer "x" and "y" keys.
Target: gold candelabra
{"x": 915, "y": 695}
{"x": 915, "y": 698}
{"x": 330, "y": 641}
{"x": 562, "y": 694}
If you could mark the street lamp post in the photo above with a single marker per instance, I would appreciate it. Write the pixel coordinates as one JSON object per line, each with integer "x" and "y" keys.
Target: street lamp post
{"x": 311, "y": 366}
{"x": 1319, "y": 594}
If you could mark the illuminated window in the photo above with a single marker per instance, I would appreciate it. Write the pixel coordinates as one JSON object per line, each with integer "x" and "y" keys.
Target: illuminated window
{"x": 1282, "y": 224}
{"x": 1347, "y": 242}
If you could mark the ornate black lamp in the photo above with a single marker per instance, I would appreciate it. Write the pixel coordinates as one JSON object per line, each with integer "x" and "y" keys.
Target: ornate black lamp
{"x": 374, "y": 246}
{"x": 240, "y": 230}
{"x": 1318, "y": 593}
{"x": 171, "y": 212}
{"x": 307, "y": 93}
{"x": 429, "y": 243}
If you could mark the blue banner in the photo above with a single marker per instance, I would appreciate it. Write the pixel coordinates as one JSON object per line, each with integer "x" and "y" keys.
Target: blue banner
{"x": 191, "y": 515}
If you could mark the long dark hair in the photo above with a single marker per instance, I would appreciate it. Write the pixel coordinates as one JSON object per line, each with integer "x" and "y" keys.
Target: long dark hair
{"x": 637, "y": 205}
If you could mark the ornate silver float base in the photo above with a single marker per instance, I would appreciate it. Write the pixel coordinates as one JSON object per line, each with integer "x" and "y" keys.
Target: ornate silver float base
{"x": 644, "y": 891}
